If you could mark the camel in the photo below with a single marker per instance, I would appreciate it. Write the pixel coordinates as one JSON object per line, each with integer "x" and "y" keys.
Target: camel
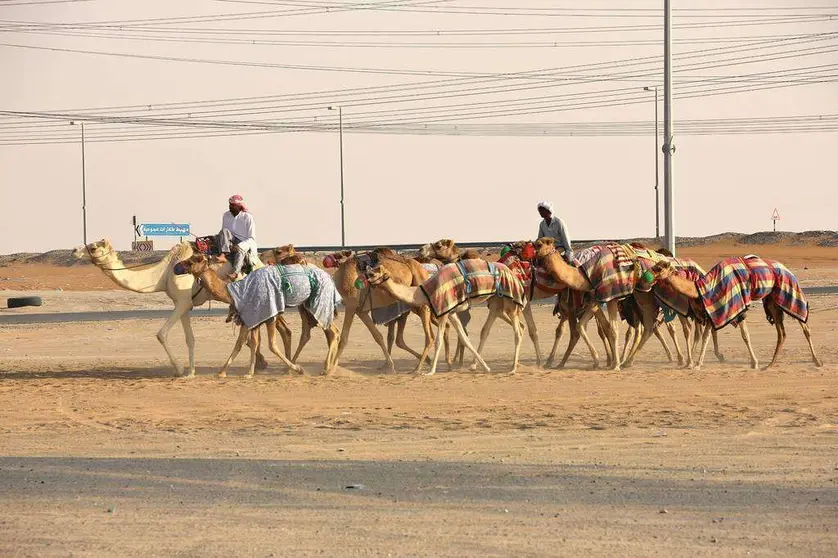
{"x": 184, "y": 291}
{"x": 575, "y": 279}
{"x": 650, "y": 311}
{"x": 418, "y": 298}
{"x": 360, "y": 300}
{"x": 287, "y": 255}
{"x": 765, "y": 280}
{"x": 198, "y": 266}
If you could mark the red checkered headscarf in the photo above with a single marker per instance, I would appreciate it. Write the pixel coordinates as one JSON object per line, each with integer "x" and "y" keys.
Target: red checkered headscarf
{"x": 239, "y": 201}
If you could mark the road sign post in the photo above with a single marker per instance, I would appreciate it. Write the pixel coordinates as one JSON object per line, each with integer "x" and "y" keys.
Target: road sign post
{"x": 775, "y": 217}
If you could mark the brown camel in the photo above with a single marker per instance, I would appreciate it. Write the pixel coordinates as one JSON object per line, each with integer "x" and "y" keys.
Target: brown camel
{"x": 416, "y": 297}
{"x": 199, "y": 267}
{"x": 665, "y": 272}
{"x": 288, "y": 255}
{"x": 359, "y": 299}
{"x": 545, "y": 250}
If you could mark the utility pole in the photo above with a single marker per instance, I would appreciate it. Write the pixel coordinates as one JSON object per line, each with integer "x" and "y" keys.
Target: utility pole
{"x": 340, "y": 135}
{"x": 657, "y": 167}
{"x": 668, "y": 147}
{"x": 83, "y": 188}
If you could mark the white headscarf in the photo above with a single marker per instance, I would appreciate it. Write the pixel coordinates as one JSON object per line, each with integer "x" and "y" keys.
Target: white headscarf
{"x": 546, "y": 205}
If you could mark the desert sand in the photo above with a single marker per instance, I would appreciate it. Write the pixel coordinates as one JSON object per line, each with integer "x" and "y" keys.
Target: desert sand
{"x": 103, "y": 452}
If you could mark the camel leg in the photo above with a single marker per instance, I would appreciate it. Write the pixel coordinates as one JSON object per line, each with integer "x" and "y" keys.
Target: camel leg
{"x": 574, "y": 339}
{"x": 391, "y": 336}
{"x": 350, "y": 309}
{"x": 560, "y": 329}
{"x": 285, "y": 331}
{"x": 533, "y": 331}
{"x": 657, "y": 333}
{"x": 367, "y": 321}
{"x": 627, "y": 341}
{"x": 518, "y": 328}
{"x": 670, "y": 328}
{"x": 648, "y": 316}
{"x": 425, "y": 316}
{"x": 332, "y": 337}
{"x": 461, "y": 333}
{"x": 687, "y": 326}
{"x": 426, "y": 325}
{"x": 746, "y": 337}
{"x": 808, "y": 335}
{"x": 255, "y": 341}
{"x": 244, "y": 334}
{"x": 614, "y": 332}
{"x": 582, "y": 331}
{"x": 305, "y": 334}
{"x": 601, "y": 330}
{"x": 777, "y": 316}
{"x": 487, "y": 328}
{"x": 705, "y": 338}
{"x": 275, "y": 350}
{"x": 190, "y": 342}
{"x": 716, "y": 350}
{"x": 181, "y": 309}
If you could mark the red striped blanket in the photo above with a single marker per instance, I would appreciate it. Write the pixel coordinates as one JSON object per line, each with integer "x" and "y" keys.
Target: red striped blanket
{"x": 733, "y": 284}
{"x": 456, "y": 283}
{"x": 612, "y": 271}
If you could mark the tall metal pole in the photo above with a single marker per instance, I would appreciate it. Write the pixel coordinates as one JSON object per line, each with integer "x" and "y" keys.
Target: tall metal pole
{"x": 83, "y": 189}
{"x": 657, "y": 167}
{"x": 342, "y": 221}
{"x": 668, "y": 147}
{"x": 657, "y": 173}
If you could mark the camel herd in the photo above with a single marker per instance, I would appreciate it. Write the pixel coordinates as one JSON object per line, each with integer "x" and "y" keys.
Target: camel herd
{"x": 609, "y": 283}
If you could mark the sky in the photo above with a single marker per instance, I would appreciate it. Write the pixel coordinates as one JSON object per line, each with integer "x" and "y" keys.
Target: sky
{"x": 408, "y": 187}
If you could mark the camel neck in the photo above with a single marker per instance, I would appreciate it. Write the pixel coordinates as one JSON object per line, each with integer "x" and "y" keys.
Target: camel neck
{"x": 147, "y": 280}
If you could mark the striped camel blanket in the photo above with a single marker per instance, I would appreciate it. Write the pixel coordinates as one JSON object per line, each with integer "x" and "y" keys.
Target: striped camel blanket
{"x": 457, "y": 282}
{"x": 612, "y": 270}
{"x": 733, "y": 284}
{"x": 268, "y": 291}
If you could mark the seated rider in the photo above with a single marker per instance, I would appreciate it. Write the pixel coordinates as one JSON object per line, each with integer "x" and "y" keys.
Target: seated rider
{"x": 238, "y": 235}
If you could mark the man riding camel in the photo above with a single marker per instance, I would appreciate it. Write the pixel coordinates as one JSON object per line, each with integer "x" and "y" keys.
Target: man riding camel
{"x": 238, "y": 235}
{"x": 551, "y": 226}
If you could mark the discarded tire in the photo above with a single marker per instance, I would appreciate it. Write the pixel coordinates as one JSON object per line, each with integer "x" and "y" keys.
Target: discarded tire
{"x": 24, "y": 301}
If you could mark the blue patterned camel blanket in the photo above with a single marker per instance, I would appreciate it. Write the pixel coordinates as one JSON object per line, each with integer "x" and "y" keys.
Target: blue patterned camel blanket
{"x": 732, "y": 284}
{"x": 268, "y": 291}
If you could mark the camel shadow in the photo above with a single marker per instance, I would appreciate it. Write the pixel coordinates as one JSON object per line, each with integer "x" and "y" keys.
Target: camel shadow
{"x": 107, "y": 373}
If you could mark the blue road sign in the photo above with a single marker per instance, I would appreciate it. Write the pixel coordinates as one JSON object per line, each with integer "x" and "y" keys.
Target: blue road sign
{"x": 163, "y": 229}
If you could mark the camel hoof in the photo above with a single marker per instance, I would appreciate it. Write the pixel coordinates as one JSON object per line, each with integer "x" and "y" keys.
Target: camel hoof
{"x": 720, "y": 356}
{"x": 755, "y": 366}
{"x": 818, "y": 363}
{"x": 428, "y": 373}
{"x": 387, "y": 367}
{"x": 261, "y": 364}
{"x": 222, "y": 374}
{"x": 299, "y": 370}
{"x": 249, "y": 375}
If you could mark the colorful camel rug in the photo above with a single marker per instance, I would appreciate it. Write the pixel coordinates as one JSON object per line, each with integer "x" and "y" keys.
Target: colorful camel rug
{"x": 612, "y": 271}
{"x": 733, "y": 284}
{"x": 456, "y": 283}
{"x": 268, "y": 291}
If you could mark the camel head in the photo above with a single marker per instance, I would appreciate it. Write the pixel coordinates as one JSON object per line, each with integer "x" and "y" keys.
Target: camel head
{"x": 196, "y": 264}
{"x": 426, "y": 253}
{"x": 445, "y": 250}
{"x": 337, "y": 259}
{"x": 285, "y": 255}
{"x": 661, "y": 271}
{"x": 544, "y": 247}
{"x": 97, "y": 250}
{"x": 376, "y": 275}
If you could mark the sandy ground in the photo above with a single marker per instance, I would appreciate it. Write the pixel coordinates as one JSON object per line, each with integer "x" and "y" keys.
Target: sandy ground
{"x": 102, "y": 452}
